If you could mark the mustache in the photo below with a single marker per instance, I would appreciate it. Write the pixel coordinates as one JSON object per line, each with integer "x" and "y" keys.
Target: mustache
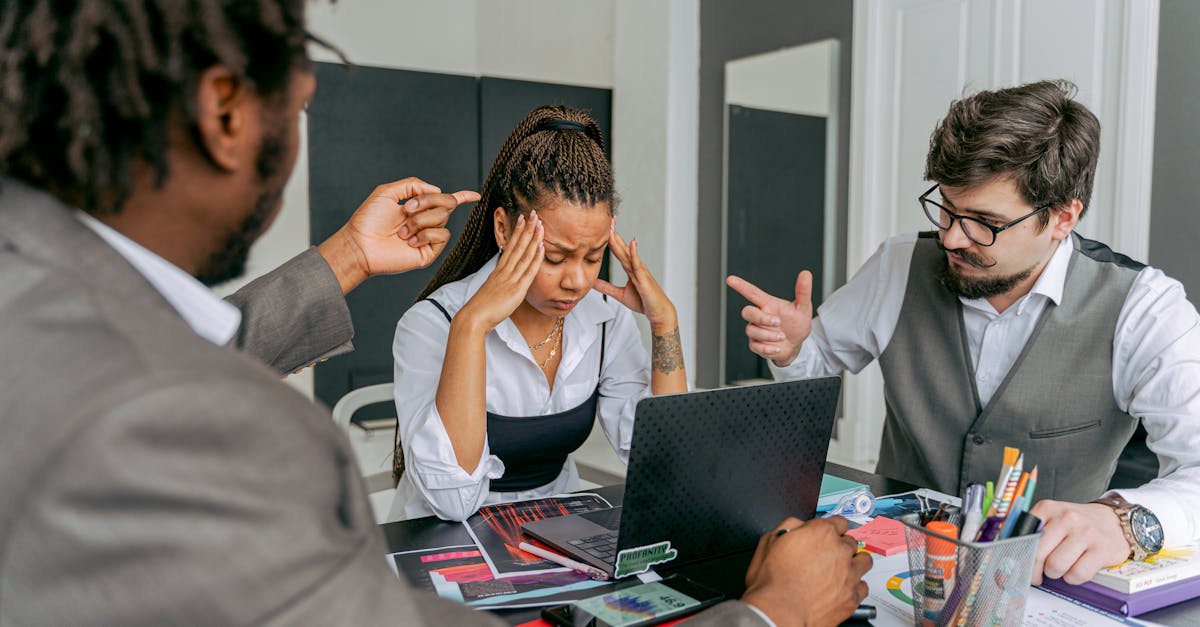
{"x": 971, "y": 258}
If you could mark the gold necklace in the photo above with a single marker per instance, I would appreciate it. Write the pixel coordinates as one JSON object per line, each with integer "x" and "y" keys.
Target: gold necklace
{"x": 553, "y": 350}
{"x": 553, "y": 332}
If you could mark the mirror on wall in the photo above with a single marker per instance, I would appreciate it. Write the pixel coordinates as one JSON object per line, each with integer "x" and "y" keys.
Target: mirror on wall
{"x": 780, "y": 180}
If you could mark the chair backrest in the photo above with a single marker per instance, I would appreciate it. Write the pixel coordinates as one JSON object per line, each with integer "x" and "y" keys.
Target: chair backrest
{"x": 373, "y": 449}
{"x": 355, "y": 400}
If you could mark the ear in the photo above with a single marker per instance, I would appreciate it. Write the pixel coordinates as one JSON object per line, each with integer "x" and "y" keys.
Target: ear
{"x": 1064, "y": 219}
{"x": 500, "y": 224}
{"x": 224, "y": 118}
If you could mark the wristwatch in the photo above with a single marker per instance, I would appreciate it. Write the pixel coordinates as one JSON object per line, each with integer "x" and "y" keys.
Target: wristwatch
{"x": 1140, "y": 526}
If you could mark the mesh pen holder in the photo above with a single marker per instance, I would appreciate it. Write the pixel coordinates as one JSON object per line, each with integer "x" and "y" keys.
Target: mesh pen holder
{"x": 968, "y": 583}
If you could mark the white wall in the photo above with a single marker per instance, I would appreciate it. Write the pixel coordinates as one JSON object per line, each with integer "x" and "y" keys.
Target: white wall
{"x": 553, "y": 41}
{"x": 655, "y": 122}
{"x": 794, "y": 80}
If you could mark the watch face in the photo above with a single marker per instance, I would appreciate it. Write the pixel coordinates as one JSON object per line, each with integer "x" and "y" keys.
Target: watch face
{"x": 1146, "y": 529}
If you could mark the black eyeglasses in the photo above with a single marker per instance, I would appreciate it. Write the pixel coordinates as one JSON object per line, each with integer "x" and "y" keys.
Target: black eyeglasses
{"x": 975, "y": 229}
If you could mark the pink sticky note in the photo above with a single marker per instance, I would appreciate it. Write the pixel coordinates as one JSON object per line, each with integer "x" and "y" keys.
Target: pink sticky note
{"x": 883, "y": 536}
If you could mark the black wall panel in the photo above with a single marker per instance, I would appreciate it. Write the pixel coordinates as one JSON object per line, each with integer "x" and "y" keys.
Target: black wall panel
{"x": 776, "y": 216}
{"x": 369, "y": 126}
{"x": 503, "y": 102}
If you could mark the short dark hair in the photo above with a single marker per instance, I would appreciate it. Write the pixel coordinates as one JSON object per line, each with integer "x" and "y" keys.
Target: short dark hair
{"x": 90, "y": 88}
{"x": 1037, "y": 134}
{"x": 554, "y": 151}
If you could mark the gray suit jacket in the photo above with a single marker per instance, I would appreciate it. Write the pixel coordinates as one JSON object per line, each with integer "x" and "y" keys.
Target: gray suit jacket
{"x": 148, "y": 477}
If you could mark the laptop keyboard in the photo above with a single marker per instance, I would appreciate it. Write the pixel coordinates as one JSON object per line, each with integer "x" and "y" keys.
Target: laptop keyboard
{"x": 601, "y": 546}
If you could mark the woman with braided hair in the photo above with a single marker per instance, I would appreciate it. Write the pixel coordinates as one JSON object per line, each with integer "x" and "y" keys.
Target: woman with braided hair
{"x": 516, "y": 346}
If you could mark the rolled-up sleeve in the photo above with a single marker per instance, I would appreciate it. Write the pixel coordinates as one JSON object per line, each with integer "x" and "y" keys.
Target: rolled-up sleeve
{"x": 624, "y": 380}
{"x": 430, "y": 463}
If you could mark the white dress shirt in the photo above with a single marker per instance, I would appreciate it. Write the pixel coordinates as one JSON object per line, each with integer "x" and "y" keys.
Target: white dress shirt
{"x": 433, "y": 481}
{"x": 210, "y": 317}
{"x": 1155, "y": 370}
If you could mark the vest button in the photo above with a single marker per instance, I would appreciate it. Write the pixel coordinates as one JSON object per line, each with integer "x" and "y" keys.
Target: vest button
{"x": 978, "y": 439}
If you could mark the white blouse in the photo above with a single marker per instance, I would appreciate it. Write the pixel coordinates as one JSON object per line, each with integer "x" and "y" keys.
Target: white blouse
{"x": 433, "y": 482}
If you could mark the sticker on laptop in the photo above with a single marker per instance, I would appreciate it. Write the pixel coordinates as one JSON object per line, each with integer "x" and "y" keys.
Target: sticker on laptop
{"x": 639, "y": 559}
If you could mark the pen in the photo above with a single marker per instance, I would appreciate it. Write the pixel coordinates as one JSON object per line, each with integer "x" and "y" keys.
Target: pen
{"x": 562, "y": 560}
{"x": 864, "y": 612}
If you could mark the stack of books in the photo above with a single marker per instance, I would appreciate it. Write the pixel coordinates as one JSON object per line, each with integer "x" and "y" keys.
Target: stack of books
{"x": 1135, "y": 588}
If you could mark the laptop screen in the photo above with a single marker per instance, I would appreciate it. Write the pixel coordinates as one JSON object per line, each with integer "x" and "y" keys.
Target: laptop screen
{"x": 712, "y": 471}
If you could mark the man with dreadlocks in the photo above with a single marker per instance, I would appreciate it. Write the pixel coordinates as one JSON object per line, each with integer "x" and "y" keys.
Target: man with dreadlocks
{"x": 150, "y": 472}
{"x": 510, "y": 357}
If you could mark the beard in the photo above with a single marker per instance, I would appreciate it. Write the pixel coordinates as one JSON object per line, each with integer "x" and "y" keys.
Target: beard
{"x": 976, "y": 287}
{"x": 229, "y": 261}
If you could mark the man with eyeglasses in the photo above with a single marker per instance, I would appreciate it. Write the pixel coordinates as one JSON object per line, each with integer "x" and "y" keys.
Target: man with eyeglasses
{"x": 1003, "y": 327}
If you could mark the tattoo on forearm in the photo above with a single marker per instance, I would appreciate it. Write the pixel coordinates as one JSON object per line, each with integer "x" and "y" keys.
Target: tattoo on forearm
{"x": 667, "y": 352}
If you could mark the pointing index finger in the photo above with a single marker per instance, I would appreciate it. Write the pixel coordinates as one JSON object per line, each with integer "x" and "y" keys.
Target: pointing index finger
{"x": 751, "y": 292}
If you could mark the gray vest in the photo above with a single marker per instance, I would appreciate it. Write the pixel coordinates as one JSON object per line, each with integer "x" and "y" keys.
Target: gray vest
{"x": 1056, "y": 403}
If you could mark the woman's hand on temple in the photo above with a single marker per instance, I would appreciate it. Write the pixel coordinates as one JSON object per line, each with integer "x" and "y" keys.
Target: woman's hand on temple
{"x": 641, "y": 293}
{"x": 505, "y": 288}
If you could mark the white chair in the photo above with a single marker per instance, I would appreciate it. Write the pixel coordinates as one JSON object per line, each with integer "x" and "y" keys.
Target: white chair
{"x": 372, "y": 447}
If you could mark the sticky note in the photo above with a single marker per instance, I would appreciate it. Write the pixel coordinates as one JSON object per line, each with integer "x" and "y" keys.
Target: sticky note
{"x": 883, "y": 536}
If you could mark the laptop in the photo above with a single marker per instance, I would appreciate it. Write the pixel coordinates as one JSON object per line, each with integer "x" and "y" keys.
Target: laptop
{"x": 709, "y": 472}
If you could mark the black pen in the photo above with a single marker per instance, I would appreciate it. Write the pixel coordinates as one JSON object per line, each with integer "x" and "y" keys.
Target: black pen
{"x": 864, "y": 612}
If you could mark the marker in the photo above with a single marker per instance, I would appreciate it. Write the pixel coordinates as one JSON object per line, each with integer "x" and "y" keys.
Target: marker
{"x": 973, "y": 508}
{"x": 562, "y": 560}
{"x": 988, "y": 496}
{"x": 864, "y": 612}
{"x": 1027, "y": 524}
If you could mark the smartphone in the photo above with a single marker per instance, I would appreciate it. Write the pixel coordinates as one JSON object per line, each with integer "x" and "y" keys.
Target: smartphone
{"x": 636, "y": 606}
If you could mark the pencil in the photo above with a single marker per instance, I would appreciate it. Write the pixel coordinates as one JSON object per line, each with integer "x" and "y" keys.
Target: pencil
{"x": 1011, "y": 455}
{"x": 1029, "y": 489}
{"x": 1010, "y": 490}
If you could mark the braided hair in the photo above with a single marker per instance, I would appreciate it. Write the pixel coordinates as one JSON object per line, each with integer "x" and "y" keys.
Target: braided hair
{"x": 90, "y": 88}
{"x": 556, "y": 151}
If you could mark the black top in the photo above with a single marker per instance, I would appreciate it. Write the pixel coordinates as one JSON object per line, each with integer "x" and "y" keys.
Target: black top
{"x": 534, "y": 448}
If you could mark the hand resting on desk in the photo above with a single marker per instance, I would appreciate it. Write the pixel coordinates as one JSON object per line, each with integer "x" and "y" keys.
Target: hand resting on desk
{"x": 809, "y": 575}
{"x": 1078, "y": 540}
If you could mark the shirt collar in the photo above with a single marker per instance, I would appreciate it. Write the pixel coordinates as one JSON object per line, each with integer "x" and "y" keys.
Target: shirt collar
{"x": 1054, "y": 276}
{"x": 210, "y": 317}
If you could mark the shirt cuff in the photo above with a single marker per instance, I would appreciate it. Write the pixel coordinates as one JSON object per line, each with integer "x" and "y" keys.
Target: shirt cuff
{"x": 1166, "y": 506}
{"x": 761, "y": 614}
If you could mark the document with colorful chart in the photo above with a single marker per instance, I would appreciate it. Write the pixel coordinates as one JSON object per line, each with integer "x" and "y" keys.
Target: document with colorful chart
{"x": 497, "y": 531}
{"x": 459, "y": 573}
